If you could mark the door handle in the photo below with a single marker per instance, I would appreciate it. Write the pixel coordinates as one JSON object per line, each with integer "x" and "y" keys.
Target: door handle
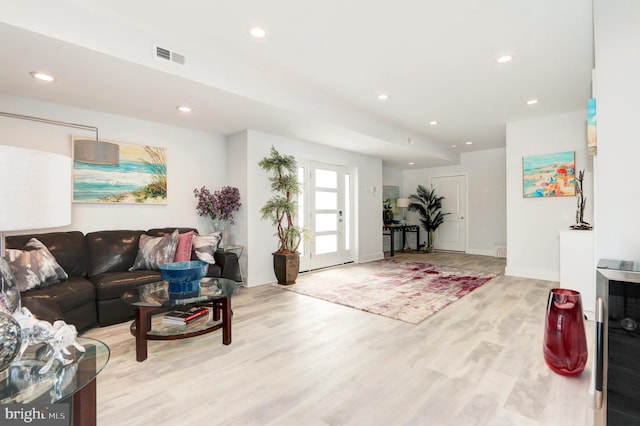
{"x": 597, "y": 395}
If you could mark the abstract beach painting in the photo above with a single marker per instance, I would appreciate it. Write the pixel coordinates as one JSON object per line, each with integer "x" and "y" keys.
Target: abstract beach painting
{"x": 117, "y": 172}
{"x": 549, "y": 175}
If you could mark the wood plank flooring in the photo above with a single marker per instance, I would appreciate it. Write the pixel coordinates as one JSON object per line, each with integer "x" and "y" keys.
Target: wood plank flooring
{"x": 296, "y": 360}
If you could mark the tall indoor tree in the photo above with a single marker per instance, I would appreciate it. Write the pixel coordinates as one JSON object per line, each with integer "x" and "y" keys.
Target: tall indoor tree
{"x": 428, "y": 205}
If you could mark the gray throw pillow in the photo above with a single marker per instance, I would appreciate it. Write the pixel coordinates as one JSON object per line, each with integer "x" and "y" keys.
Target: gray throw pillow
{"x": 155, "y": 251}
{"x": 9, "y": 293}
{"x": 34, "y": 266}
{"x": 204, "y": 246}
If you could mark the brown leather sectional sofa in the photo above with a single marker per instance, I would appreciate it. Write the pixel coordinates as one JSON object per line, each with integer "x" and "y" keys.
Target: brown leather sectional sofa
{"x": 98, "y": 267}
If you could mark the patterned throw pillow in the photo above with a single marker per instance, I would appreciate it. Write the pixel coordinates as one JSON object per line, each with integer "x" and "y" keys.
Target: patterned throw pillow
{"x": 206, "y": 245}
{"x": 155, "y": 251}
{"x": 183, "y": 251}
{"x": 34, "y": 266}
{"x": 9, "y": 293}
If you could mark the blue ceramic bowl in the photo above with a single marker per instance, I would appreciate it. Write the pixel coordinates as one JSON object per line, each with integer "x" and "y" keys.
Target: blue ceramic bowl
{"x": 184, "y": 277}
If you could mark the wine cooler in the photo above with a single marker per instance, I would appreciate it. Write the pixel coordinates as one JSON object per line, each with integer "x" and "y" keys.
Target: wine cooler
{"x": 617, "y": 377}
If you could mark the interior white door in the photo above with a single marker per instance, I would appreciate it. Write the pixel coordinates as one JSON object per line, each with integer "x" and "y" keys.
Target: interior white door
{"x": 451, "y": 235}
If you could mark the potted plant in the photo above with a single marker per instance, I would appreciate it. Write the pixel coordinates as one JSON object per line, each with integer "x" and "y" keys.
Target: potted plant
{"x": 219, "y": 206}
{"x": 281, "y": 210}
{"x": 428, "y": 204}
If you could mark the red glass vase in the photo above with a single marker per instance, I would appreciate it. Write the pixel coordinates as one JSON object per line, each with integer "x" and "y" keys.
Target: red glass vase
{"x": 565, "y": 342}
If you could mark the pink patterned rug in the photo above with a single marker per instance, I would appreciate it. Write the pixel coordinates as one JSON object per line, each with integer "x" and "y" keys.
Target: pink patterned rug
{"x": 402, "y": 290}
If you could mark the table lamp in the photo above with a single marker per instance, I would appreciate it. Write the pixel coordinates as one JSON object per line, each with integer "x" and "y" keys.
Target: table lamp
{"x": 35, "y": 191}
{"x": 403, "y": 203}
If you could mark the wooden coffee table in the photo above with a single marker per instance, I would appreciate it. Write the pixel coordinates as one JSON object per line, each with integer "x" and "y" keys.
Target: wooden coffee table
{"x": 153, "y": 299}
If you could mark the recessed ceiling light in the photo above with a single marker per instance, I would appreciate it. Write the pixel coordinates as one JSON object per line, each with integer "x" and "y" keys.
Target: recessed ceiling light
{"x": 504, "y": 59}
{"x": 383, "y": 97}
{"x": 42, "y": 76}
{"x": 433, "y": 123}
{"x": 453, "y": 146}
{"x": 469, "y": 143}
{"x": 412, "y": 163}
{"x": 257, "y": 32}
{"x": 532, "y": 101}
{"x": 183, "y": 108}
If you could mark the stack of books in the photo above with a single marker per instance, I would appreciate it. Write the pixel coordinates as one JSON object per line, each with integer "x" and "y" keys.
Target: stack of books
{"x": 186, "y": 315}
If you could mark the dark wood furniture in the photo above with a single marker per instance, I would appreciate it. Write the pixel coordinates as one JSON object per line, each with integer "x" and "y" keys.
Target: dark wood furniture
{"x": 392, "y": 228}
{"x": 152, "y": 299}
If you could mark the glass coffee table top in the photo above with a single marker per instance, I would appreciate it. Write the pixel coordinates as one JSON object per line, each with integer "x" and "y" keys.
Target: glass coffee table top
{"x": 25, "y": 384}
{"x": 157, "y": 294}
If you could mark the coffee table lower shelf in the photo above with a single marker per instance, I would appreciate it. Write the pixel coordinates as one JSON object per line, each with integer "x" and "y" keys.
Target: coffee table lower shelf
{"x": 221, "y": 313}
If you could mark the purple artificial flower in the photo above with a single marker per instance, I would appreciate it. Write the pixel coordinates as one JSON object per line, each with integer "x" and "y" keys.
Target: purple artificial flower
{"x": 219, "y": 205}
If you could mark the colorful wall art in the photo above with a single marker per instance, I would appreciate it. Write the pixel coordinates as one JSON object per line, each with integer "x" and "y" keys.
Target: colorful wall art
{"x": 549, "y": 175}
{"x": 592, "y": 141}
{"x": 116, "y": 172}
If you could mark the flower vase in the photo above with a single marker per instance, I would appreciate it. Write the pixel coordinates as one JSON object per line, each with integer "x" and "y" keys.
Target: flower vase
{"x": 221, "y": 225}
{"x": 565, "y": 343}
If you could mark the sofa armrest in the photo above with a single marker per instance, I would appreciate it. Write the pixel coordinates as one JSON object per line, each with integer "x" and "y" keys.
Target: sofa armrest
{"x": 228, "y": 261}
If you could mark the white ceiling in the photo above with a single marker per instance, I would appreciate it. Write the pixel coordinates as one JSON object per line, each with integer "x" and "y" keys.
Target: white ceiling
{"x": 317, "y": 74}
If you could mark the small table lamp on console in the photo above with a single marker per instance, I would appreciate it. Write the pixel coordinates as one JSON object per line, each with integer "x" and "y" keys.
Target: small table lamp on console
{"x": 403, "y": 203}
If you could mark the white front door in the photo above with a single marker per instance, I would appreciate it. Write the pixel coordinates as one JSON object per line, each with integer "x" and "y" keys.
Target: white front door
{"x": 327, "y": 198}
{"x": 451, "y": 235}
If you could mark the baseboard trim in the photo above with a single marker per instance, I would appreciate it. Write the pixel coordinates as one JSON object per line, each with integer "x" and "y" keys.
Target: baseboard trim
{"x": 534, "y": 273}
{"x": 481, "y": 252}
{"x": 371, "y": 257}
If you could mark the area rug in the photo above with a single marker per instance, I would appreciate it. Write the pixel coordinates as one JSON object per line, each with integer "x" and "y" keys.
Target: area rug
{"x": 403, "y": 290}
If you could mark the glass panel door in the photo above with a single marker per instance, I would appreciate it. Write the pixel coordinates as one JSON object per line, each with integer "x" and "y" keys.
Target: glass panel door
{"x": 325, "y": 209}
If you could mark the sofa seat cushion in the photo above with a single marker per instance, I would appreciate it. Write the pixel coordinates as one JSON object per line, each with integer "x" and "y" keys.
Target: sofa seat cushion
{"x": 69, "y": 294}
{"x": 112, "y": 285}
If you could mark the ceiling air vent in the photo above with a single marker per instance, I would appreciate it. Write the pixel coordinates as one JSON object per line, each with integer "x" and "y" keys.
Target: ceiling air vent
{"x": 168, "y": 55}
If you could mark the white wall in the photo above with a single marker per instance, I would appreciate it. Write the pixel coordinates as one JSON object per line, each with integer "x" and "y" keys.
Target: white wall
{"x": 194, "y": 159}
{"x": 533, "y": 224}
{"x": 486, "y": 217}
{"x": 260, "y": 241}
{"x": 617, "y": 89}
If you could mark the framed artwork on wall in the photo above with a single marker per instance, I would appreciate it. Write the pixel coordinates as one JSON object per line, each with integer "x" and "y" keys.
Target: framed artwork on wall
{"x": 592, "y": 140}
{"x": 117, "y": 172}
{"x": 390, "y": 195}
{"x": 549, "y": 175}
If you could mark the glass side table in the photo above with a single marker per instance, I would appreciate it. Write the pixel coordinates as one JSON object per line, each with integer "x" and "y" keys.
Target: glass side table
{"x": 25, "y": 385}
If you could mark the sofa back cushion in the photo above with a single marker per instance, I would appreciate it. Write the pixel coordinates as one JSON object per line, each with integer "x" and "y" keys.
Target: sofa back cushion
{"x": 111, "y": 251}
{"x": 68, "y": 248}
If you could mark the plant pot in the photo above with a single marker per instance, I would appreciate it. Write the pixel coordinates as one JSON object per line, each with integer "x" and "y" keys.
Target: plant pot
{"x": 286, "y": 267}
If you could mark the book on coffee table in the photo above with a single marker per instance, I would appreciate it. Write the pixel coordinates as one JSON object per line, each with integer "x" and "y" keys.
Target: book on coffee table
{"x": 185, "y": 315}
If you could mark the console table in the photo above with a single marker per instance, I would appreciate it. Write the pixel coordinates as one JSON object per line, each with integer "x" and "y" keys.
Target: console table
{"x": 392, "y": 228}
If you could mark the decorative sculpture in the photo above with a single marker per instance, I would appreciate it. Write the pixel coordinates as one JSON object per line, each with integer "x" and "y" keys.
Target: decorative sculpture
{"x": 57, "y": 336}
{"x": 580, "y": 223}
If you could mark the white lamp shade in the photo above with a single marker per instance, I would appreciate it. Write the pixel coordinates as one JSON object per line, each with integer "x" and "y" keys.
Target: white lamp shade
{"x": 35, "y": 189}
{"x": 403, "y": 202}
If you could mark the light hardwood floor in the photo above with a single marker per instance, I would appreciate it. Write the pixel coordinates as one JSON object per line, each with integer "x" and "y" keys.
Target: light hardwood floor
{"x": 296, "y": 360}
